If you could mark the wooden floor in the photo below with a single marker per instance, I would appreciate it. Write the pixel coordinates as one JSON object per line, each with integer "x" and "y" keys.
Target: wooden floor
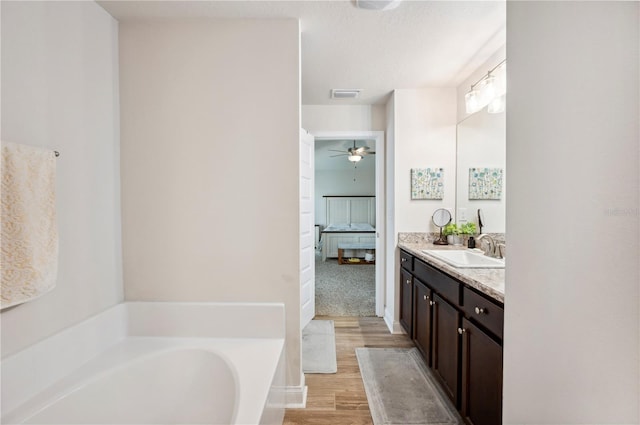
{"x": 339, "y": 398}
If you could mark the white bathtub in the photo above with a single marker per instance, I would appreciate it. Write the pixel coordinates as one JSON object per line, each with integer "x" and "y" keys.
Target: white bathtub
{"x": 154, "y": 363}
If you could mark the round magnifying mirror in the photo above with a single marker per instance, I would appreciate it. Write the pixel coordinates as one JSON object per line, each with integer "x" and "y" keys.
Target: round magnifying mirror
{"x": 441, "y": 218}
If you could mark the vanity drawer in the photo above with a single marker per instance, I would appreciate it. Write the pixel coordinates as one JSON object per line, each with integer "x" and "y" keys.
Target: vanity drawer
{"x": 406, "y": 261}
{"x": 443, "y": 284}
{"x": 483, "y": 311}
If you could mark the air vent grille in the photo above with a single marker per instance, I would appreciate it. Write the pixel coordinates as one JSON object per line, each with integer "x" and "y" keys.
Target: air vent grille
{"x": 345, "y": 93}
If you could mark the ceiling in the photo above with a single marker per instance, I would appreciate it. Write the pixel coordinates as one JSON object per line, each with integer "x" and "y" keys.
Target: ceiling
{"x": 419, "y": 44}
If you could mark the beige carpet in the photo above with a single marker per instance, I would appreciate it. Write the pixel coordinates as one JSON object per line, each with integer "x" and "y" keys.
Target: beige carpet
{"x": 401, "y": 390}
{"x": 344, "y": 289}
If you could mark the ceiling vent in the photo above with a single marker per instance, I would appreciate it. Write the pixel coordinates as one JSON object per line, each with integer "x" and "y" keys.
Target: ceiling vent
{"x": 345, "y": 93}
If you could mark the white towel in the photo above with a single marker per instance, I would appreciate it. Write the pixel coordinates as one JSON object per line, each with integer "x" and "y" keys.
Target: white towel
{"x": 29, "y": 260}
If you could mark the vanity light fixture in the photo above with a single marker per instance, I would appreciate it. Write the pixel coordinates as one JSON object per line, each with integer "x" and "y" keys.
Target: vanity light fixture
{"x": 354, "y": 158}
{"x": 472, "y": 101}
{"x": 497, "y": 105}
{"x": 488, "y": 90}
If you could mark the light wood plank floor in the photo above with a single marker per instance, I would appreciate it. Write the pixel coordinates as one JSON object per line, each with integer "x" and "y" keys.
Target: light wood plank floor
{"x": 339, "y": 398}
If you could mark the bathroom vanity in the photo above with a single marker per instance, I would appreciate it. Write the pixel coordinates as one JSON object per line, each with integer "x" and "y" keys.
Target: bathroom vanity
{"x": 455, "y": 318}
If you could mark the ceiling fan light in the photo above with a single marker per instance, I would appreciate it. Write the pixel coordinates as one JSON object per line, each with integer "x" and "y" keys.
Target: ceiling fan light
{"x": 354, "y": 158}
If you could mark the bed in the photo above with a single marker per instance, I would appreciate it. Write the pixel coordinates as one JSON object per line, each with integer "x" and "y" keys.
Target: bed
{"x": 351, "y": 220}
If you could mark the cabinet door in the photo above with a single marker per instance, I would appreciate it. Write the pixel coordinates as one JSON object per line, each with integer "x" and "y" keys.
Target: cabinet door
{"x": 422, "y": 319}
{"x": 406, "y": 301}
{"x": 446, "y": 347}
{"x": 481, "y": 377}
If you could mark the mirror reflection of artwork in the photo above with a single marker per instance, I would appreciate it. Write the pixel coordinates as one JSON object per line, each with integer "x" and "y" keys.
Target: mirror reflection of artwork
{"x": 427, "y": 183}
{"x": 485, "y": 183}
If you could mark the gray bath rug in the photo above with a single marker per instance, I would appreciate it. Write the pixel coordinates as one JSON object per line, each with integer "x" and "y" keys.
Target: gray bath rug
{"x": 401, "y": 390}
{"x": 319, "y": 347}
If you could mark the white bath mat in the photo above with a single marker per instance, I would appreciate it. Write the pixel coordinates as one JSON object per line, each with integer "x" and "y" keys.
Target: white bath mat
{"x": 319, "y": 347}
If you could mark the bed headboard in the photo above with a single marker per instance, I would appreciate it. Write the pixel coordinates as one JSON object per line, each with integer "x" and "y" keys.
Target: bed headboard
{"x": 351, "y": 209}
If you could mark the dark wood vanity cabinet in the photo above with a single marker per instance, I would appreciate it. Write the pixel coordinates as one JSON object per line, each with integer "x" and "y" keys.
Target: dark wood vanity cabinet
{"x": 406, "y": 301}
{"x": 446, "y": 346}
{"x": 481, "y": 376}
{"x": 459, "y": 332}
{"x": 422, "y": 303}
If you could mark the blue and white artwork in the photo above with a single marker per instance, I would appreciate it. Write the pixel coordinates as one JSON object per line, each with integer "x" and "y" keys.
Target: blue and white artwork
{"x": 485, "y": 183}
{"x": 427, "y": 183}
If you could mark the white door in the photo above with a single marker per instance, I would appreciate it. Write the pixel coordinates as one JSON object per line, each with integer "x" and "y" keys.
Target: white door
{"x": 307, "y": 230}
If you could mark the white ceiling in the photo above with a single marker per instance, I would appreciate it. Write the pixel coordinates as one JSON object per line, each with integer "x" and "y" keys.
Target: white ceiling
{"x": 419, "y": 44}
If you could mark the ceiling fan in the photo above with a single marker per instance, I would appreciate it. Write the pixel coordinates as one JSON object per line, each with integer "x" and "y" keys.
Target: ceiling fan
{"x": 355, "y": 153}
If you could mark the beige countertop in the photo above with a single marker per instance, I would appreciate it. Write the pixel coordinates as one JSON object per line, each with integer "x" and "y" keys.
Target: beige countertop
{"x": 487, "y": 281}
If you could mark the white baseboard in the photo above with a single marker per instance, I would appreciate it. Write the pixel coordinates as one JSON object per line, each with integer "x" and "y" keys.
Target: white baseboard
{"x": 393, "y": 325}
{"x": 295, "y": 396}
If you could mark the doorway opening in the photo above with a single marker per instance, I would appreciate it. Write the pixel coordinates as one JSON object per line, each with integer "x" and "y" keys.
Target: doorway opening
{"x": 354, "y": 191}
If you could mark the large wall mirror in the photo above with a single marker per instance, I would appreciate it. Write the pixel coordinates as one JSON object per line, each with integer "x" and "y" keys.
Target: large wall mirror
{"x": 481, "y": 173}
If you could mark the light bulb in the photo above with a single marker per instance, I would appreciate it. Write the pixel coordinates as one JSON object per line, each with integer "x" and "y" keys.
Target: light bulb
{"x": 487, "y": 90}
{"x": 472, "y": 105}
{"x": 354, "y": 158}
{"x": 497, "y": 105}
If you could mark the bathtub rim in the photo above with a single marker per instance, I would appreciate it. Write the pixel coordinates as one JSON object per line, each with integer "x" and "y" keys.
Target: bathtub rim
{"x": 114, "y": 325}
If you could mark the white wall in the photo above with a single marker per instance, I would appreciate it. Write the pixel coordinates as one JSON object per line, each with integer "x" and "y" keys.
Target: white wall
{"x": 343, "y": 118}
{"x": 340, "y": 182}
{"x": 573, "y": 212}
{"x": 210, "y": 213}
{"x": 425, "y": 137}
{"x": 481, "y": 143}
{"x": 421, "y": 133}
{"x": 60, "y": 91}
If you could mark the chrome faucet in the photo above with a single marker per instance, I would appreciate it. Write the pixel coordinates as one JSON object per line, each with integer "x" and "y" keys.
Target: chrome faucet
{"x": 490, "y": 243}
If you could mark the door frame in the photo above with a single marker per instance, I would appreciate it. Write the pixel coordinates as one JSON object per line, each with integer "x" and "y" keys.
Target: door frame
{"x": 379, "y": 138}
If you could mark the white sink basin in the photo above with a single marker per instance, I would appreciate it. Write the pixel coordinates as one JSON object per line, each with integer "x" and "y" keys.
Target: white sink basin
{"x": 466, "y": 259}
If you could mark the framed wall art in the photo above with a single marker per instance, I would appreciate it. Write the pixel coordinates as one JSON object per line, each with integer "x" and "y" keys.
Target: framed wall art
{"x": 427, "y": 183}
{"x": 485, "y": 183}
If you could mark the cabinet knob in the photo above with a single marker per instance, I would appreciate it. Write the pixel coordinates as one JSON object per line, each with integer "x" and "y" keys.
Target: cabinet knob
{"x": 480, "y": 310}
{"x": 432, "y": 303}
{"x": 404, "y": 260}
{"x": 408, "y": 281}
{"x": 461, "y": 330}
{"x": 425, "y": 297}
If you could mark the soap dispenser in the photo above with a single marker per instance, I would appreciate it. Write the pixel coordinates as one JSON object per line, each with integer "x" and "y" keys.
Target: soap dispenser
{"x": 471, "y": 243}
